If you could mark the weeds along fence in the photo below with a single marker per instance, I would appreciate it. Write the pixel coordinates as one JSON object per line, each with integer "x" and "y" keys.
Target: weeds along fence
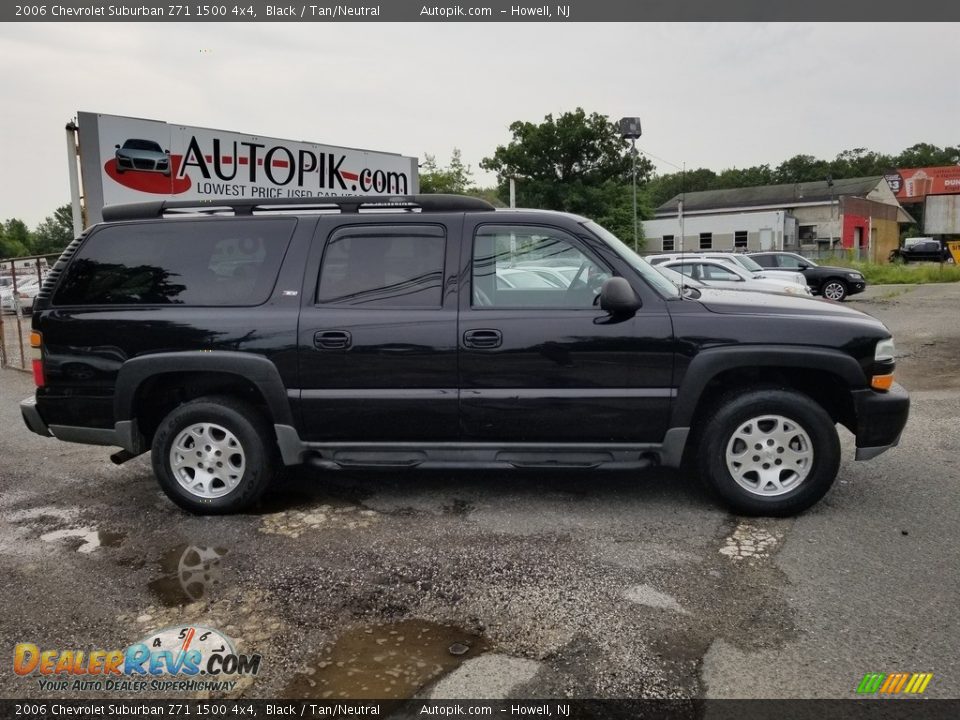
{"x": 20, "y": 281}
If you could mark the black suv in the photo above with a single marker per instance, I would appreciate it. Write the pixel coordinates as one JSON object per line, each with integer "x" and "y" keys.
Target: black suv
{"x": 923, "y": 251}
{"x": 436, "y": 332}
{"x": 834, "y": 283}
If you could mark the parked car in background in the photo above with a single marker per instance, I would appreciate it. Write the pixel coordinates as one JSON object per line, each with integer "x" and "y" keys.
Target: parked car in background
{"x": 144, "y": 155}
{"x": 721, "y": 274}
{"x": 926, "y": 250}
{"x": 738, "y": 259}
{"x": 27, "y": 289}
{"x": 834, "y": 283}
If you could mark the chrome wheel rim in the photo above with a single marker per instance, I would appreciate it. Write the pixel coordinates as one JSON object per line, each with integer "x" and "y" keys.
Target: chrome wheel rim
{"x": 207, "y": 460}
{"x": 834, "y": 291}
{"x": 769, "y": 455}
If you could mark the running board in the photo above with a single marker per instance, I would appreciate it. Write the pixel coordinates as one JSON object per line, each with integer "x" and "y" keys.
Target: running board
{"x": 477, "y": 456}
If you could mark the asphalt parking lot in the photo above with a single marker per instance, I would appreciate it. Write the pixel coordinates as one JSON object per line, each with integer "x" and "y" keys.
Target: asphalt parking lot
{"x": 513, "y": 585}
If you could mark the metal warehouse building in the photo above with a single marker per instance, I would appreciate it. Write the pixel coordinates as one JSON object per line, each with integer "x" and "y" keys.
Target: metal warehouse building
{"x": 858, "y": 214}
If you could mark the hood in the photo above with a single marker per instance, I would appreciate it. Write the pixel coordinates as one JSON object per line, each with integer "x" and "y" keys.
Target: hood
{"x": 748, "y": 302}
{"x": 838, "y": 270}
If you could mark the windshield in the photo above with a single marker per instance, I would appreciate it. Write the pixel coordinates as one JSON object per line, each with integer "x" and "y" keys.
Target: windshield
{"x": 141, "y": 145}
{"x": 748, "y": 263}
{"x": 658, "y": 281}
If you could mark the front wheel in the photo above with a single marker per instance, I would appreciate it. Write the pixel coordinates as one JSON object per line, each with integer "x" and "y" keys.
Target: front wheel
{"x": 214, "y": 455}
{"x": 834, "y": 290}
{"x": 769, "y": 452}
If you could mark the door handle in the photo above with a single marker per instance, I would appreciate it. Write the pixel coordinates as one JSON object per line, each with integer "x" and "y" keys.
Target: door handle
{"x": 482, "y": 339}
{"x": 332, "y": 340}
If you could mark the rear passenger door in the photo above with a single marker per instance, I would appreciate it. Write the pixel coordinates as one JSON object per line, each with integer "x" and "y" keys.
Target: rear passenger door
{"x": 378, "y": 331}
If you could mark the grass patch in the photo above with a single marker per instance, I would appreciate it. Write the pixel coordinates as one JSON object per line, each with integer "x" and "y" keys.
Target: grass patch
{"x": 898, "y": 273}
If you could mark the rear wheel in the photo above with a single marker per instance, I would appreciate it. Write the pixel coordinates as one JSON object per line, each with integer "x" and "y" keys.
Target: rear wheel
{"x": 834, "y": 289}
{"x": 769, "y": 452}
{"x": 214, "y": 455}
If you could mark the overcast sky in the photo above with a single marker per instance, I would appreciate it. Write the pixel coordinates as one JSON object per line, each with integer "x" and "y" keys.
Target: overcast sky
{"x": 714, "y": 95}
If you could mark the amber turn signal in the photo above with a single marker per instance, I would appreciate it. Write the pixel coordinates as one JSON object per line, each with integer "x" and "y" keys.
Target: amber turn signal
{"x": 882, "y": 382}
{"x": 35, "y": 339}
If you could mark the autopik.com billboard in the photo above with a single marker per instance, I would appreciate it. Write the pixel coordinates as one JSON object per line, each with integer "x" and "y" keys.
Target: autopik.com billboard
{"x": 125, "y": 159}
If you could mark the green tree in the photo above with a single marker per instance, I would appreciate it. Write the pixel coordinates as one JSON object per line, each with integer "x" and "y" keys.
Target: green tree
{"x": 575, "y": 163}
{"x": 927, "y": 155}
{"x": 801, "y": 168}
{"x": 455, "y": 178}
{"x": 54, "y": 233}
{"x": 15, "y": 240}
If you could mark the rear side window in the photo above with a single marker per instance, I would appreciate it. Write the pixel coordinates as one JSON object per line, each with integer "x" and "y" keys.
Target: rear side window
{"x": 383, "y": 266}
{"x": 180, "y": 262}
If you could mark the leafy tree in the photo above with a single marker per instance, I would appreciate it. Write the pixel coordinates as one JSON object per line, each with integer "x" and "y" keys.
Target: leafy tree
{"x": 927, "y": 155}
{"x": 455, "y": 178}
{"x": 15, "y": 239}
{"x": 801, "y": 168}
{"x": 576, "y": 163}
{"x": 54, "y": 233}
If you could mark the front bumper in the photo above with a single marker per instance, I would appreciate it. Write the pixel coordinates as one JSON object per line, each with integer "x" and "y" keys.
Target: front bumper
{"x": 31, "y": 416}
{"x": 881, "y": 417}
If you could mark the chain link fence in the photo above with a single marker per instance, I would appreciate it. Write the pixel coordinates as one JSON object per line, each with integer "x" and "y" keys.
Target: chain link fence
{"x": 20, "y": 281}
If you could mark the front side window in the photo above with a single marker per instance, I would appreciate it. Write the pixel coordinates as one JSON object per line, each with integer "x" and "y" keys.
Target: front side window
{"x": 207, "y": 262}
{"x": 526, "y": 266}
{"x": 789, "y": 261}
{"x": 715, "y": 272}
{"x": 383, "y": 266}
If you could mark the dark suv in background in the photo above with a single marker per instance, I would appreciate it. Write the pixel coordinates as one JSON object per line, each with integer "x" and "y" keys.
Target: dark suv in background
{"x": 924, "y": 251}
{"x": 833, "y": 283}
{"x": 230, "y": 338}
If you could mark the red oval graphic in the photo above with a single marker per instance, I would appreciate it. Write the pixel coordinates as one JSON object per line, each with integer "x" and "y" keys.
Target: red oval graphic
{"x": 149, "y": 181}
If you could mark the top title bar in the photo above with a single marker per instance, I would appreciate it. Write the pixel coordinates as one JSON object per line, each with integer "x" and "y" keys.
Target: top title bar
{"x": 484, "y": 11}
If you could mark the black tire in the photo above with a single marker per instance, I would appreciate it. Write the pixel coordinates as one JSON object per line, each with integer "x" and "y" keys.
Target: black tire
{"x": 733, "y": 412}
{"x": 834, "y": 289}
{"x": 257, "y": 452}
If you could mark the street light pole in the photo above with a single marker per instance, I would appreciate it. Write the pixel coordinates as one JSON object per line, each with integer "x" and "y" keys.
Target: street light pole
{"x": 630, "y": 130}
{"x": 636, "y": 234}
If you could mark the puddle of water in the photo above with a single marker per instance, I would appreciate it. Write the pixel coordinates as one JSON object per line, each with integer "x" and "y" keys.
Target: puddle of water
{"x": 189, "y": 574}
{"x": 392, "y": 661}
{"x": 84, "y": 539}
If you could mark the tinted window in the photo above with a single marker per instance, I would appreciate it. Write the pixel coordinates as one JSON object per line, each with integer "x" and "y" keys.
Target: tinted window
{"x": 182, "y": 262}
{"x": 789, "y": 262}
{"x": 525, "y": 266}
{"x": 767, "y": 261}
{"x": 381, "y": 266}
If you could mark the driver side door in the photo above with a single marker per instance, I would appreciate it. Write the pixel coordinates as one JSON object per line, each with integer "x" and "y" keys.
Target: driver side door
{"x": 539, "y": 361}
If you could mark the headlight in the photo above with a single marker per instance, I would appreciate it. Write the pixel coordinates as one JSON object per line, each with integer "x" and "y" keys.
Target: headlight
{"x": 885, "y": 351}
{"x": 855, "y": 276}
{"x": 791, "y": 290}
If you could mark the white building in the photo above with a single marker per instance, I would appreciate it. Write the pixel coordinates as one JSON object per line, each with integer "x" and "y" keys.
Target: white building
{"x": 742, "y": 231}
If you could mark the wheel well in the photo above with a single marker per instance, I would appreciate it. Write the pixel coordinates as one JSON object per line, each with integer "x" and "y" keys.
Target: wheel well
{"x": 158, "y": 395}
{"x": 829, "y": 391}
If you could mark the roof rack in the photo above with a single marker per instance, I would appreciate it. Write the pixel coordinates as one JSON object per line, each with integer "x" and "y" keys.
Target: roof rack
{"x": 250, "y": 206}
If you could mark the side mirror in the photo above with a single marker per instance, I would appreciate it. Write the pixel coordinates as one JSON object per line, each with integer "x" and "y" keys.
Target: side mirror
{"x": 618, "y": 298}
{"x": 117, "y": 147}
{"x": 803, "y": 266}
{"x": 167, "y": 152}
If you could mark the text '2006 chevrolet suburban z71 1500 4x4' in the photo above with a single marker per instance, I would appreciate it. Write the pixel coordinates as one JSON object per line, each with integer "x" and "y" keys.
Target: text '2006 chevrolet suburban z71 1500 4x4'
{"x": 434, "y": 331}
